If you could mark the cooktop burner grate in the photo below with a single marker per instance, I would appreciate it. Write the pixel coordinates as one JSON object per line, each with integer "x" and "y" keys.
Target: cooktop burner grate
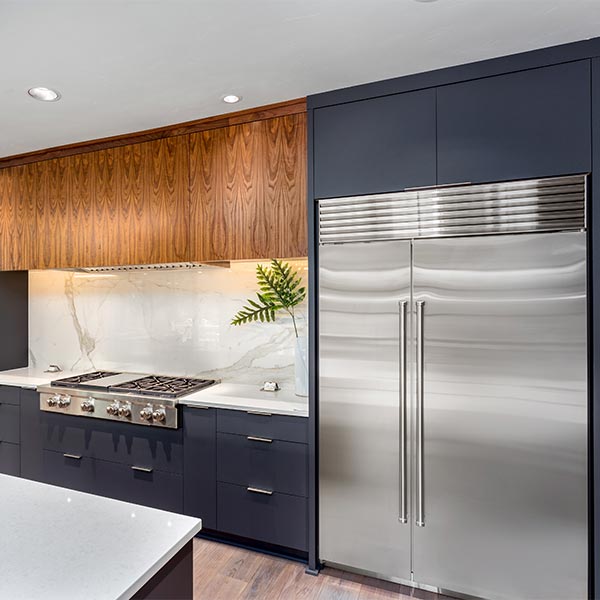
{"x": 162, "y": 386}
{"x": 77, "y": 380}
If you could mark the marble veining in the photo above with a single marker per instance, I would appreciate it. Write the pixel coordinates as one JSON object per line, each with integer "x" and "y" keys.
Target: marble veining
{"x": 166, "y": 322}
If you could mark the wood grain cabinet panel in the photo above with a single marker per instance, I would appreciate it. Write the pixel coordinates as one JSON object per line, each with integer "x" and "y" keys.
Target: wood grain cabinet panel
{"x": 233, "y": 192}
{"x": 248, "y": 190}
{"x": 18, "y": 185}
{"x": 117, "y": 206}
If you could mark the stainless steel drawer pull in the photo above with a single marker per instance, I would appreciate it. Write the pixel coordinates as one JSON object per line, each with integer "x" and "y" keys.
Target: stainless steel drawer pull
{"x": 259, "y": 491}
{"x": 259, "y": 439}
{"x": 436, "y": 187}
{"x": 420, "y": 475}
{"x": 259, "y": 412}
{"x": 74, "y": 456}
{"x": 142, "y": 469}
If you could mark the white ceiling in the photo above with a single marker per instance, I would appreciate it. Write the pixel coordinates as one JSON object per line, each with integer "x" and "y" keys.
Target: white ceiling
{"x": 128, "y": 65}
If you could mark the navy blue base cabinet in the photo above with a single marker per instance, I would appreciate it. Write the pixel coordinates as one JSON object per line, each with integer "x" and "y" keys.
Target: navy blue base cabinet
{"x": 244, "y": 474}
{"x": 200, "y": 455}
{"x": 134, "y": 463}
{"x": 262, "y": 474}
{"x": 10, "y": 433}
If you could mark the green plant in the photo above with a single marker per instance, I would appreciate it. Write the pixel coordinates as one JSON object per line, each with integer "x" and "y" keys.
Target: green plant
{"x": 280, "y": 289}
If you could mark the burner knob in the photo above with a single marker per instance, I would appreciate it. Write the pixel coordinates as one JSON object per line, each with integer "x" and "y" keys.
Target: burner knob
{"x": 64, "y": 401}
{"x": 146, "y": 413}
{"x": 88, "y": 405}
{"x": 125, "y": 410}
{"x": 113, "y": 409}
{"x": 53, "y": 400}
{"x": 159, "y": 415}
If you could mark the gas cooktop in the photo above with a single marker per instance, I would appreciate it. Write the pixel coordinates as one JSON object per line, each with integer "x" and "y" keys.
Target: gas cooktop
{"x": 127, "y": 397}
{"x": 158, "y": 386}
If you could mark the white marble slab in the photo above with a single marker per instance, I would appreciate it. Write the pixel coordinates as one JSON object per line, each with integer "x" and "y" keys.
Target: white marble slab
{"x": 162, "y": 322}
{"x": 59, "y": 544}
{"x": 249, "y": 397}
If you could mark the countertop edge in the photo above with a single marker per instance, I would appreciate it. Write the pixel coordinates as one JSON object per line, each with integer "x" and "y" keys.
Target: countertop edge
{"x": 244, "y": 406}
{"x": 137, "y": 585}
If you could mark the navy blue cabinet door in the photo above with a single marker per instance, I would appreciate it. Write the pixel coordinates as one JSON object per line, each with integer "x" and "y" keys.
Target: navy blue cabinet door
{"x": 31, "y": 436}
{"x": 379, "y": 145}
{"x": 522, "y": 125}
{"x": 200, "y": 465}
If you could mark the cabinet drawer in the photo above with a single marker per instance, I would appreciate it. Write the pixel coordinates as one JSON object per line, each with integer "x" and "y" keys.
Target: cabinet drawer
{"x": 68, "y": 471}
{"x": 158, "y": 489}
{"x": 151, "y": 447}
{"x": 10, "y": 459}
{"x": 278, "y": 427}
{"x": 9, "y": 423}
{"x": 9, "y": 394}
{"x": 277, "y": 519}
{"x": 273, "y": 465}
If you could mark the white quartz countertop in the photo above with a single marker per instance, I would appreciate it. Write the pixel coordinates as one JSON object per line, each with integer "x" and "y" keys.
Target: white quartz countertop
{"x": 31, "y": 377}
{"x": 237, "y": 396}
{"x": 59, "y": 544}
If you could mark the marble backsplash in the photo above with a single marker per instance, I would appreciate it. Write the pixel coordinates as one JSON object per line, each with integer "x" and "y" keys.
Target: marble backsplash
{"x": 163, "y": 322}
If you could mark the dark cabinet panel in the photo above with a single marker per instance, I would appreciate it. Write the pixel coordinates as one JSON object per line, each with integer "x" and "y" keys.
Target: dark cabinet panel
{"x": 10, "y": 459}
{"x": 31, "y": 435}
{"x": 277, "y": 519}
{"x": 9, "y": 423}
{"x": 157, "y": 489}
{"x": 8, "y": 393}
{"x": 278, "y": 427}
{"x": 380, "y": 145}
{"x": 252, "y": 461}
{"x": 199, "y": 468}
{"x": 527, "y": 124}
{"x": 150, "y": 447}
{"x": 70, "y": 471}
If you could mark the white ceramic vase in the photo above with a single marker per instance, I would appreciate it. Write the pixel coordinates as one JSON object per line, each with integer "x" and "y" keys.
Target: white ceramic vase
{"x": 301, "y": 366}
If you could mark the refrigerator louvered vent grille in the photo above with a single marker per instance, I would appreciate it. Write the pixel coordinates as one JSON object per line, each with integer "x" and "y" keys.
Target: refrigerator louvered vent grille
{"x": 532, "y": 205}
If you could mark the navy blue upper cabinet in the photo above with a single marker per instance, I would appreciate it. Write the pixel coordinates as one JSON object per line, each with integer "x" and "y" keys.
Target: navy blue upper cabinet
{"x": 527, "y": 124}
{"x": 380, "y": 145}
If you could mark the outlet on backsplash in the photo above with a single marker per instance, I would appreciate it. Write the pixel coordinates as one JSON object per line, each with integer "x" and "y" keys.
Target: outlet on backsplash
{"x": 171, "y": 322}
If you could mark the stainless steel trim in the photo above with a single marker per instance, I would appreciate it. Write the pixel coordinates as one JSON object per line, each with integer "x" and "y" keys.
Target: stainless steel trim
{"x": 142, "y": 469}
{"x": 431, "y": 187}
{"x": 410, "y": 583}
{"x": 420, "y": 474}
{"x": 259, "y": 412}
{"x": 403, "y": 513}
{"x": 550, "y": 204}
{"x": 74, "y": 456}
{"x": 253, "y": 438}
{"x": 259, "y": 491}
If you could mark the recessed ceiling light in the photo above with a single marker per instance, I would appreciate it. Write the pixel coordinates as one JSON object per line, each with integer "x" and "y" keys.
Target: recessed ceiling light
{"x": 425, "y": 1}
{"x": 44, "y": 94}
{"x": 231, "y": 98}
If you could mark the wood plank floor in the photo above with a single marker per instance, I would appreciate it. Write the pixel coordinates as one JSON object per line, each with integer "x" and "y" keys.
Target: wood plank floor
{"x": 223, "y": 572}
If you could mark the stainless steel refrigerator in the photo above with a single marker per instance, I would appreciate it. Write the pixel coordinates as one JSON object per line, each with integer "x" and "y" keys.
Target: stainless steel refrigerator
{"x": 453, "y": 404}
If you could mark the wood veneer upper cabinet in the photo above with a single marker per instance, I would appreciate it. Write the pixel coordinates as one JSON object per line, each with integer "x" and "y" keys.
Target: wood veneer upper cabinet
{"x": 248, "y": 190}
{"x": 124, "y": 205}
{"x": 19, "y": 188}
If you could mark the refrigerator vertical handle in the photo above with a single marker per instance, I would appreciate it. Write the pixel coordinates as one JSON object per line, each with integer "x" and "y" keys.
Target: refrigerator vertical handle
{"x": 420, "y": 474}
{"x": 403, "y": 504}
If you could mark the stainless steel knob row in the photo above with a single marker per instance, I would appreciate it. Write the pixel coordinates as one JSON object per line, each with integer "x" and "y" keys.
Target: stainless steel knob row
{"x": 59, "y": 400}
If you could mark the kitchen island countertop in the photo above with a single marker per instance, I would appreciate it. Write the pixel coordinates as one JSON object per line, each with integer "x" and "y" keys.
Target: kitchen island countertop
{"x": 61, "y": 544}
